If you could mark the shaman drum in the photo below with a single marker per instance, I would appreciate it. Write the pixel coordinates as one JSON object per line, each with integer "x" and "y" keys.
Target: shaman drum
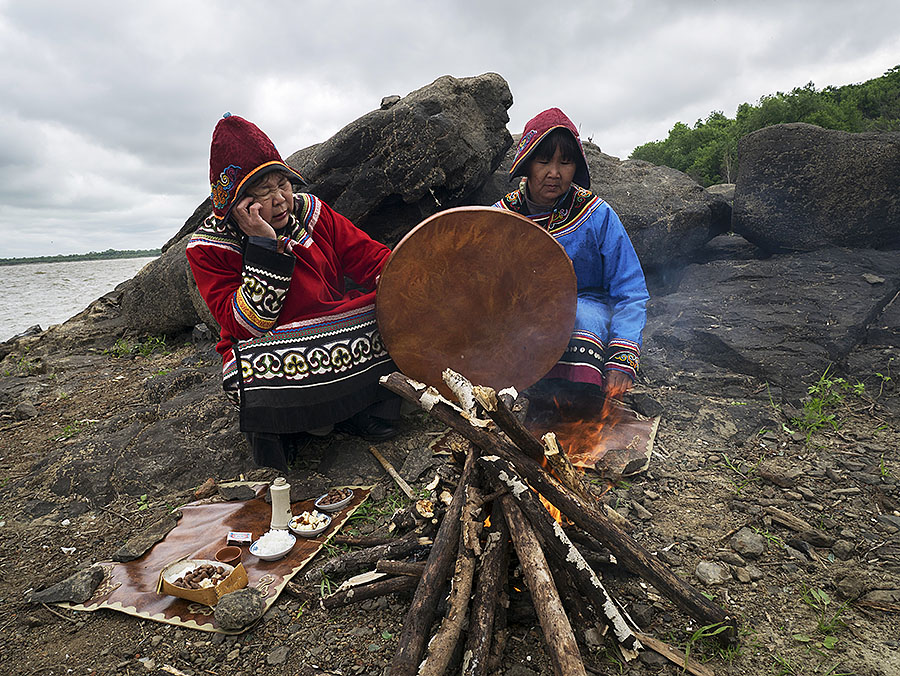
{"x": 482, "y": 291}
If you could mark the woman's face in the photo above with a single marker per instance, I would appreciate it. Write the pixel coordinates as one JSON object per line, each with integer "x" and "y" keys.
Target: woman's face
{"x": 548, "y": 180}
{"x": 275, "y": 194}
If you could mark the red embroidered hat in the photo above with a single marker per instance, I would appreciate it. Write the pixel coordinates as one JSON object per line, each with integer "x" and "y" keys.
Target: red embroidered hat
{"x": 536, "y": 129}
{"x": 240, "y": 152}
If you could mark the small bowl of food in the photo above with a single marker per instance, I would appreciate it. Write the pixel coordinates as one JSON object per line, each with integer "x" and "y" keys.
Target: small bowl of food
{"x": 273, "y": 545}
{"x": 230, "y": 555}
{"x": 335, "y": 499}
{"x": 309, "y": 524}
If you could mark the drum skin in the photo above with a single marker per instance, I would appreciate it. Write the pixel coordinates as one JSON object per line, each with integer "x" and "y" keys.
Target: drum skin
{"x": 482, "y": 291}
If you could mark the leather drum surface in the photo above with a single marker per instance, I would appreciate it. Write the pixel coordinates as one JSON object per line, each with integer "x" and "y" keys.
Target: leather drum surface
{"x": 482, "y": 291}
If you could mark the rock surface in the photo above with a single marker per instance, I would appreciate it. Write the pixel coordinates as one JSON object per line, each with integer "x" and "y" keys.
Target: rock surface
{"x": 240, "y": 608}
{"x": 76, "y": 588}
{"x": 801, "y": 188}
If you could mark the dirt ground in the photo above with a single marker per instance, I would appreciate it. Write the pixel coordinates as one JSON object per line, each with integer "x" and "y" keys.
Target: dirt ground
{"x": 803, "y": 609}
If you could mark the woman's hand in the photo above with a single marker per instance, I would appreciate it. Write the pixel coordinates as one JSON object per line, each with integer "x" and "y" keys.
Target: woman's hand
{"x": 246, "y": 213}
{"x": 616, "y": 384}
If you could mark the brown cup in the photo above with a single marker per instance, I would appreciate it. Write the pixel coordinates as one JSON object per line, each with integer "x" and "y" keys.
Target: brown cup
{"x": 230, "y": 555}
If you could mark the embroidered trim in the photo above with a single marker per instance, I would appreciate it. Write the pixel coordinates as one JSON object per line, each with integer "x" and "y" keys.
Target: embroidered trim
{"x": 221, "y": 190}
{"x": 625, "y": 356}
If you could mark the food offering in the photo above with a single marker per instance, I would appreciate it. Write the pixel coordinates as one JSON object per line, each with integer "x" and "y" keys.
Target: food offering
{"x": 334, "y": 500}
{"x": 201, "y": 580}
{"x": 310, "y": 524}
{"x": 273, "y": 545}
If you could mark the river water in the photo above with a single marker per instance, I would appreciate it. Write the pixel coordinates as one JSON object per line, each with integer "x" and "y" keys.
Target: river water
{"x": 51, "y": 293}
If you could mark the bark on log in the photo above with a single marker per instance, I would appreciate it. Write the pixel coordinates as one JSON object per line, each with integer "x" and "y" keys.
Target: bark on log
{"x": 555, "y": 541}
{"x": 400, "y": 568}
{"x": 560, "y": 641}
{"x": 590, "y": 519}
{"x": 391, "y": 585}
{"x": 360, "y": 558}
{"x": 363, "y": 541}
{"x": 488, "y": 588}
{"x": 443, "y": 645}
{"x": 433, "y": 581}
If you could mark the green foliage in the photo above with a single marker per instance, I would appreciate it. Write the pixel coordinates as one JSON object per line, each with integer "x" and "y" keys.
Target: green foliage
{"x": 92, "y": 256}
{"x": 822, "y": 400}
{"x": 708, "y": 150}
{"x": 143, "y": 503}
{"x": 123, "y": 348}
{"x": 702, "y": 634}
{"x": 828, "y": 616}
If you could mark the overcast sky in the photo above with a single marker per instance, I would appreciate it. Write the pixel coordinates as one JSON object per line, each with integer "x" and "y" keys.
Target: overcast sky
{"x": 107, "y": 108}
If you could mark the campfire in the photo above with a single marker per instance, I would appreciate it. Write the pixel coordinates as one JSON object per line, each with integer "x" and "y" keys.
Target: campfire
{"x": 511, "y": 481}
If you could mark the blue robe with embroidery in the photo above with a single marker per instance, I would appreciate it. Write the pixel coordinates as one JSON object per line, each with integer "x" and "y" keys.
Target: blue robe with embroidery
{"x": 612, "y": 293}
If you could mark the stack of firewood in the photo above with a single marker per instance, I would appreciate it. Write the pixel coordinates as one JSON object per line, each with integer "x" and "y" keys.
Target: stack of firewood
{"x": 497, "y": 503}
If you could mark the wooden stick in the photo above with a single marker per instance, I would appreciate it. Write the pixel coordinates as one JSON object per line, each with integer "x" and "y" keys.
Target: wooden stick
{"x": 487, "y": 594}
{"x": 372, "y": 590}
{"x": 360, "y": 558}
{"x": 555, "y": 541}
{"x": 390, "y": 470}
{"x": 499, "y": 408}
{"x": 675, "y": 656}
{"x": 400, "y": 568}
{"x": 590, "y": 519}
{"x": 363, "y": 541}
{"x": 441, "y": 647}
{"x": 560, "y": 641}
{"x": 411, "y": 642}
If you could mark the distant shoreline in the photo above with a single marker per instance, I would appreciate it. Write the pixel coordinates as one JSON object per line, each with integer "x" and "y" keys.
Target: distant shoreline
{"x": 109, "y": 254}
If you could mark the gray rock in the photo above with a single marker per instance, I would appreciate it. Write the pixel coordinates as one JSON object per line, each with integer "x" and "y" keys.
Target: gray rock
{"x": 712, "y": 573}
{"x": 237, "y": 492}
{"x": 431, "y": 150}
{"x": 143, "y": 541}
{"x": 25, "y": 410}
{"x": 843, "y": 549}
{"x": 882, "y": 597}
{"x": 239, "y": 609}
{"x": 756, "y": 573}
{"x": 730, "y": 558}
{"x": 723, "y": 190}
{"x": 278, "y": 655}
{"x": 742, "y": 575}
{"x": 889, "y": 520}
{"x": 76, "y": 588}
{"x": 668, "y": 216}
{"x": 165, "y": 386}
{"x": 777, "y": 320}
{"x": 389, "y": 101}
{"x": 748, "y": 544}
{"x": 801, "y": 187}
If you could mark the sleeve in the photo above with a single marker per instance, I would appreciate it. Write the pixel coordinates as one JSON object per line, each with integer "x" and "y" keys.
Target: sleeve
{"x": 245, "y": 293}
{"x": 360, "y": 256}
{"x": 624, "y": 281}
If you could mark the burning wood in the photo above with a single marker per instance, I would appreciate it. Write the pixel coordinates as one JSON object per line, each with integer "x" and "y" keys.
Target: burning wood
{"x": 519, "y": 463}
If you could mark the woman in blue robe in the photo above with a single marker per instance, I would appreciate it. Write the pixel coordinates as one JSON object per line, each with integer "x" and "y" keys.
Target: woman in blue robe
{"x": 605, "y": 346}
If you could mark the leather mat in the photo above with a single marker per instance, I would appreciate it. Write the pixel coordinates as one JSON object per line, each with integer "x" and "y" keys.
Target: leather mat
{"x": 131, "y": 587}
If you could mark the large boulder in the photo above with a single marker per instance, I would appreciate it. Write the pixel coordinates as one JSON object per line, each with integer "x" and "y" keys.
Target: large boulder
{"x": 668, "y": 215}
{"x": 800, "y": 187}
{"x": 429, "y": 151}
{"x": 781, "y": 320}
{"x": 386, "y": 172}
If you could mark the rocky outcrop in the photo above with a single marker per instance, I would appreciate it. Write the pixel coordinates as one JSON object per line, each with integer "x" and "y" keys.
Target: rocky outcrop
{"x": 781, "y": 320}
{"x": 801, "y": 188}
{"x": 429, "y": 151}
{"x": 386, "y": 172}
{"x": 668, "y": 215}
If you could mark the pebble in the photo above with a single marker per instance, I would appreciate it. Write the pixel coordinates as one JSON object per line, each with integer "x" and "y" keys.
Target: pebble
{"x": 731, "y": 558}
{"x": 712, "y": 573}
{"x": 278, "y": 655}
{"x": 748, "y": 544}
{"x": 742, "y": 575}
{"x": 843, "y": 549}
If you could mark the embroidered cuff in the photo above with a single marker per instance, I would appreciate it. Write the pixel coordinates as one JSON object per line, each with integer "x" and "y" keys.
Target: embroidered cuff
{"x": 624, "y": 356}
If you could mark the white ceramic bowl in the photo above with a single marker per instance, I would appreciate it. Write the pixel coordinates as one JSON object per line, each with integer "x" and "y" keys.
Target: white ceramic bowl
{"x": 310, "y": 532}
{"x": 334, "y": 506}
{"x": 272, "y": 556}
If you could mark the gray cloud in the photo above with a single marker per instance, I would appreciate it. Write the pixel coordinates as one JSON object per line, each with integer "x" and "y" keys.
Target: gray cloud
{"x": 108, "y": 107}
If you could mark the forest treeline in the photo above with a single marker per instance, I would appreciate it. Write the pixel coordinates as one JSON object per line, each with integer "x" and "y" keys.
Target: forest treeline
{"x": 92, "y": 256}
{"x": 707, "y": 152}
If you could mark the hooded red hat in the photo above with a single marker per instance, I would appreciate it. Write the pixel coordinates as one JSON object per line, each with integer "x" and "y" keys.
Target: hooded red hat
{"x": 536, "y": 129}
{"x": 240, "y": 152}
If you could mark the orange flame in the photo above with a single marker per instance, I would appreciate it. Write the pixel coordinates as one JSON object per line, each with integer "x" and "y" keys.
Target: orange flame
{"x": 580, "y": 437}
